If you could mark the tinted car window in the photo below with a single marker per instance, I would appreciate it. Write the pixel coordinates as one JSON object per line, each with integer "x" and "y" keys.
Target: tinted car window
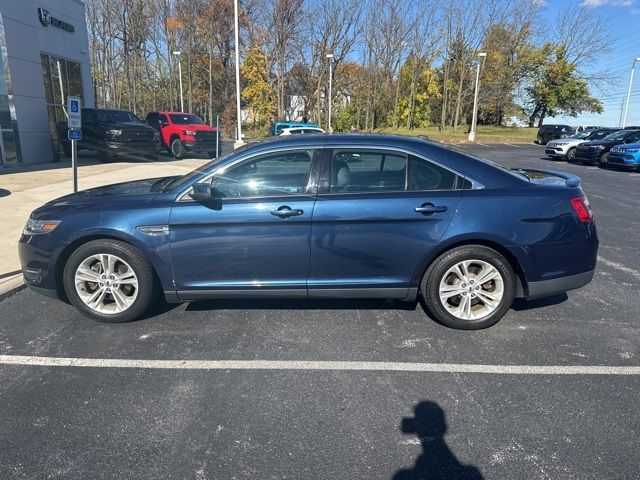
{"x": 367, "y": 171}
{"x": 185, "y": 119}
{"x": 599, "y": 135}
{"x": 114, "y": 116}
{"x": 424, "y": 175}
{"x": 281, "y": 174}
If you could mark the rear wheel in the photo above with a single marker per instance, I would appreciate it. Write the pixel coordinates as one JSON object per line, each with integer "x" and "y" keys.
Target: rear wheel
{"x": 212, "y": 154}
{"x": 109, "y": 281}
{"x": 469, "y": 287}
{"x": 177, "y": 148}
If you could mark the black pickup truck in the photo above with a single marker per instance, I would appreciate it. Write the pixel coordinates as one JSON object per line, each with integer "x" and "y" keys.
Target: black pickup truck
{"x": 112, "y": 133}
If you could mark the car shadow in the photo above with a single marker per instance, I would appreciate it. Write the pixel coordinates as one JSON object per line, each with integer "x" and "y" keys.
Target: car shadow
{"x": 300, "y": 304}
{"x": 4, "y": 193}
{"x": 437, "y": 461}
{"x": 520, "y": 304}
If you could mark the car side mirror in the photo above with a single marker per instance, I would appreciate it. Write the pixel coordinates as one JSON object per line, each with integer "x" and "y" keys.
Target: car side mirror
{"x": 162, "y": 123}
{"x": 207, "y": 195}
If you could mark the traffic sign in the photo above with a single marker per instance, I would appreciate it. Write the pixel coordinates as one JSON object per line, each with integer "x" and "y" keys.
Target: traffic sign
{"x": 74, "y": 134}
{"x": 74, "y": 110}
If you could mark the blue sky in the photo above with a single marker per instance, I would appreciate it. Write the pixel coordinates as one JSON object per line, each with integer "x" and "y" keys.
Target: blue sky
{"x": 624, "y": 18}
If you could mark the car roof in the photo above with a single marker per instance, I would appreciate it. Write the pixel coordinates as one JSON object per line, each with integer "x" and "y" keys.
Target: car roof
{"x": 486, "y": 173}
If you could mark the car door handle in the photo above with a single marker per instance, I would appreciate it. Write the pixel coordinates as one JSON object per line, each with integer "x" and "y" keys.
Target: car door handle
{"x": 430, "y": 208}
{"x": 286, "y": 212}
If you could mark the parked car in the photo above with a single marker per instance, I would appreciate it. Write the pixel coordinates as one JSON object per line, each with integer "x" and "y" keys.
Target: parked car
{"x": 625, "y": 157}
{"x": 565, "y": 148}
{"x": 184, "y": 132}
{"x": 112, "y": 133}
{"x": 597, "y": 152}
{"x": 301, "y": 131}
{"x": 550, "y": 132}
{"x": 318, "y": 216}
{"x": 277, "y": 127}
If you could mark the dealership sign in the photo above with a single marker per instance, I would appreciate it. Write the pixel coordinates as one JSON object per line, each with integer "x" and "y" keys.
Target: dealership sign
{"x": 46, "y": 19}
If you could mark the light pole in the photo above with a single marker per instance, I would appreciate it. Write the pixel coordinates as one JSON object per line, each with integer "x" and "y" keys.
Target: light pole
{"x": 626, "y": 104}
{"x": 238, "y": 142}
{"x": 330, "y": 58}
{"x": 177, "y": 54}
{"x": 472, "y": 132}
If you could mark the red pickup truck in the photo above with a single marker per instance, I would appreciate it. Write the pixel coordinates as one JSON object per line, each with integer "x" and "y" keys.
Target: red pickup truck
{"x": 185, "y": 132}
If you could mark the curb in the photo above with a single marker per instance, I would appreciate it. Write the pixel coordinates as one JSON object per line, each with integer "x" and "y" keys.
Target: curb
{"x": 11, "y": 286}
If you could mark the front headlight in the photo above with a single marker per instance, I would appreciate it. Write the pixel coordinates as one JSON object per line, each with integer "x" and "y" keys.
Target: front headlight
{"x": 599, "y": 147}
{"x": 191, "y": 133}
{"x": 114, "y": 132}
{"x": 39, "y": 227}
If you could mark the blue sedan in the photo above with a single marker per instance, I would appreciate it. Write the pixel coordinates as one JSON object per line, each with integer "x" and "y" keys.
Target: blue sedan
{"x": 319, "y": 216}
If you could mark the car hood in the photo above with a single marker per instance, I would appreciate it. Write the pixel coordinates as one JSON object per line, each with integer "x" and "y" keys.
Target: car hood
{"x": 566, "y": 141}
{"x": 197, "y": 127}
{"x": 145, "y": 189}
{"x": 127, "y": 126}
{"x": 629, "y": 146}
{"x": 606, "y": 143}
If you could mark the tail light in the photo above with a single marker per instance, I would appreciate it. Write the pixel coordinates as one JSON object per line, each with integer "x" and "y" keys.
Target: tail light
{"x": 582, "y": 208}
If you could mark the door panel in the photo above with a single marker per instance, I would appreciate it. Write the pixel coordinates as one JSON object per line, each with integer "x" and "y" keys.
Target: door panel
{"x": 259, "y": 238}
{"x": 241, "y": 246}
{"x": 377, "y": 216}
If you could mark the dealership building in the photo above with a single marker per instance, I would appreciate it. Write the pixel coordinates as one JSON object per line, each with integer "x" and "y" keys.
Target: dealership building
{"x": 44, "y": 59}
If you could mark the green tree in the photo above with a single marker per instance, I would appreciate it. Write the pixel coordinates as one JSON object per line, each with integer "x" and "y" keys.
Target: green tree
{"x": 557, "y": 89}
{"x": 257, "y": 91}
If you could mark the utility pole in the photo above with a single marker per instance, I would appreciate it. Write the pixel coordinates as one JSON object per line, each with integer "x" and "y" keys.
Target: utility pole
{"x": 177, "y": 53}
{"x": 238, "y": 142}
{"x": 472, "y": 132}
{"x": 330, "y": 58}
{"x": 626, "y": 105}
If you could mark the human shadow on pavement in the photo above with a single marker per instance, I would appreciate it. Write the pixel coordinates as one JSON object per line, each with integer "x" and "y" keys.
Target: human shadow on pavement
{"x": 437, "y": 461}
{"x": 4, "y": 193}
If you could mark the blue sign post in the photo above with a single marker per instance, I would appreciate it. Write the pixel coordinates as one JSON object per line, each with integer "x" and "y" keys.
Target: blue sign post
{"x": 74, "y": 114}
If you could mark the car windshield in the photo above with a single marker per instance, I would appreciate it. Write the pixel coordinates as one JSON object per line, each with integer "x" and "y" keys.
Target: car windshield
{"x": 581, "y": 135}
{"x": 616, "y": 136}
{"x": 116, "y": 116}
{"x": 185, "y": 119}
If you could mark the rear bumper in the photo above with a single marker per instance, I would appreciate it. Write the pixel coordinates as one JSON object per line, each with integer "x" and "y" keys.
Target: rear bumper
{"x": 546, "y": 288}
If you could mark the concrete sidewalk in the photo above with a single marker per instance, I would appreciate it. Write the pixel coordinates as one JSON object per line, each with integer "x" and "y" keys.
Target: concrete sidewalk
{"x": 24, "y": 189}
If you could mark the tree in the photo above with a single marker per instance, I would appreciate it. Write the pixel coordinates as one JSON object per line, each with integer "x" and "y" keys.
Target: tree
{"x": 257, "y": 91}
{"x": 557, "y": 89}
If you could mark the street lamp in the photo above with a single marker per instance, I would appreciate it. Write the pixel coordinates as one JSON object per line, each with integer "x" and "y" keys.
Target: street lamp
{"x": 177, "y": 53}
{"x": 330, "y": 59}
{"x": 626, "y": 104}
{"x": 238, "y": 142}
{"x": 472, "y": 132}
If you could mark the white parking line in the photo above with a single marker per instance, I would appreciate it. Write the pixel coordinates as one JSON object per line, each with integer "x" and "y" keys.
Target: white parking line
{"x": 619, "y": 266}
{"x": 317, "y": 365}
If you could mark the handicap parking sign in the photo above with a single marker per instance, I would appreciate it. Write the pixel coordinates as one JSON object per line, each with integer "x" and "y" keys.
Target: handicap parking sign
{"x": 74, "y": 113}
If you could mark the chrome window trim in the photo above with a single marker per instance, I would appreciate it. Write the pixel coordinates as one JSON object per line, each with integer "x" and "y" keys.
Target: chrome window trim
{"x": 475, "y": 185}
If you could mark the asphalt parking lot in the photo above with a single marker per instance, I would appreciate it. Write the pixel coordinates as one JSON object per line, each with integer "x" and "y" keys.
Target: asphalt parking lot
{"x": 338, "y": 389}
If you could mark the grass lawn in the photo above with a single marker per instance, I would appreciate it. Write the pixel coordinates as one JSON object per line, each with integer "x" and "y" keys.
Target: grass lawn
{"x": 484, "y": 134}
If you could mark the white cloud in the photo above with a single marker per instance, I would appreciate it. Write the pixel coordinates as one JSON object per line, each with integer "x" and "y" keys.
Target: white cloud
{"x": 611, "y": 3}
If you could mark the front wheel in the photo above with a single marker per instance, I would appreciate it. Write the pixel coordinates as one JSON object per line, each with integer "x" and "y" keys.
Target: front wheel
{"x": 109, "y": 281}
{"x": 604, "y": 159}
{"x": 571, "y": 155}
{"x": 177, "y": 148}
{"x": 469, "y": 287}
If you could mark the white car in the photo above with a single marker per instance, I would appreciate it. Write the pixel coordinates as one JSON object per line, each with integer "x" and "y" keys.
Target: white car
{"x": 301, "y": 130}
{"x": 565, "y": 148}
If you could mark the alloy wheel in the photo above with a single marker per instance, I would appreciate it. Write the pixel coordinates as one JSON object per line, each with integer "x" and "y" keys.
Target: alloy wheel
{"x": 471, "y": 289}
{"x": 106, "y": 283}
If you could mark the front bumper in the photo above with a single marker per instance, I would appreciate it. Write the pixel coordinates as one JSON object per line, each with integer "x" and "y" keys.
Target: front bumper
{"x": 556, "y": 151}
{"x": 38, "y": 258}
{"x": 546, "y": 288}
{"x": 626, "y": 162}
{"x": 588, "y": 155}
{"x": 124, "y": 148}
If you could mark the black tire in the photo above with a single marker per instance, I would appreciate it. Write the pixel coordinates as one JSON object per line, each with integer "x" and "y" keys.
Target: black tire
{"x": 105, "y": 156}
{"x": 66, "y": 149}
{"x": 139, "y": 264}
{"x": 571, "y": 155}
{"x": 212, "y": 154}
{"x": 604, "y": 160}
{"x": 430, "y": 285}
{"x": 177, "y": 148}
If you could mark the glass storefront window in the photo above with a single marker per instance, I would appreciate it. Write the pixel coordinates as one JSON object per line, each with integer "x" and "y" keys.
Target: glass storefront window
{"x": 62, "y": 78}
{"x": 9, "y": 140}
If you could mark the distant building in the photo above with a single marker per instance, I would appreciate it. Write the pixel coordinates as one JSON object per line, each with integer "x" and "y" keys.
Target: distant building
{"x": 45, "y": 58}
